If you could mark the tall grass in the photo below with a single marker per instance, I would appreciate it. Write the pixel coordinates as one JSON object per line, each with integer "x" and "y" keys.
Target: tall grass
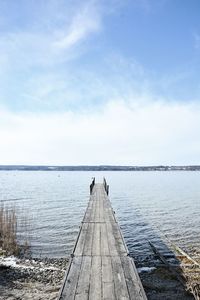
{"x": 8, "y": 230}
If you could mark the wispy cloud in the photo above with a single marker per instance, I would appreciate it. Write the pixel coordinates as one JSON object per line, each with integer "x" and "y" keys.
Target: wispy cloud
{"x": 50, "y": 43}
{"x": 85, "y": 88}
{"x": 33, "y": 57}
{"x": 86, "y": 21}
{"x": 39, "y": 69}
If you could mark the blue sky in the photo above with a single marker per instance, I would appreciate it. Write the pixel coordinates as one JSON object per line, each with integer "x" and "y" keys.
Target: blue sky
{"x": 99, "y": 82}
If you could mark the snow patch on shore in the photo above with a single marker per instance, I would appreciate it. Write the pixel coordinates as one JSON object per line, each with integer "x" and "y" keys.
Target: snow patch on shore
{"x": 146, "y": 269}
{"x": 14, "y": 262}
{"x": 10, "y": 261}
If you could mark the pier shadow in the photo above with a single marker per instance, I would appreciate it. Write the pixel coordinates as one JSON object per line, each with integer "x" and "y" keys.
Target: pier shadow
{"x": 159, "y": 280}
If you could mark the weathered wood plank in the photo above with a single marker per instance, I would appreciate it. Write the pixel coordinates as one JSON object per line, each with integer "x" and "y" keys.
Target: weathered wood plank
{"x": 89, "y": 240}
{"x": 107, "y": 279}
{"x": 88, "y": 212}
{"x": 97, "y": 215}
{"x": 108, "y": 291}
{"x": 82, "y": 290}
{"x": 116, "y": 244}
{"x": 107, "y": 275}
{"x": 91, "y": 207}
{"x": 69, "y": 289}
{"x": 119, "y": 242}
{"x": 96, "y": 245}
{"x": 95, "y": 292}
{"x": 111, "y": 241}
{"x": 109, "y": 213}
{"x": 101, "y": 210}
{"x": 104, "y": 240}
{"x": 81, "y": 241}
{"x": 121, "y": 290}
{"x": 135, "y": 288}
{"x": 94, "y": 206}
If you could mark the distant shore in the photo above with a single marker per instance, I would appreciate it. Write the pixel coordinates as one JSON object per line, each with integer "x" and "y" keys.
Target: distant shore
{"x": 98, "y": 168}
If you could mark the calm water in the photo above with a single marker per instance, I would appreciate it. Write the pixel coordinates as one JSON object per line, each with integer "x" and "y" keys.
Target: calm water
{"x": 148, "y": 206}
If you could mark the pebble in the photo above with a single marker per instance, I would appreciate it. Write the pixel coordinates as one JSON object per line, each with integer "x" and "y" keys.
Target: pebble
{"x": 33, "y": 279}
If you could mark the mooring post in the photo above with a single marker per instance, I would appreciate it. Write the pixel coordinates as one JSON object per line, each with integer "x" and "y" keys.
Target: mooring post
{"x": 107, "y": 189}
{"x": 92, "y": 185}
{"x": 106, "y": 186}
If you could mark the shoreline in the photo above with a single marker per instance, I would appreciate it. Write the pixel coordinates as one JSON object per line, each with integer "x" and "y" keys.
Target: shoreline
{"x": 31, "y": 278}
{"x": 41, "y": 279}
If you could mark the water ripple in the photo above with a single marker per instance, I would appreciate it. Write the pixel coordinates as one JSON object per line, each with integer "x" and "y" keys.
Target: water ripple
{"x": 148, "y": 206}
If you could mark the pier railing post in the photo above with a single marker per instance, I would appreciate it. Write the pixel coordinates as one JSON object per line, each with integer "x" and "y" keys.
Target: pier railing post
{"x": 92, "y": 185}
{"x": 106, "y": 186}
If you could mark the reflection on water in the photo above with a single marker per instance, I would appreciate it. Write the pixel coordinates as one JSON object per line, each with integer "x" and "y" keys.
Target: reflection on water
{"x": 147, "y": 204}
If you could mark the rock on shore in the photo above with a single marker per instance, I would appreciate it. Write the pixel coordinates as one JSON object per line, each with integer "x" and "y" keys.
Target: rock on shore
{"x": 25, "y": 279}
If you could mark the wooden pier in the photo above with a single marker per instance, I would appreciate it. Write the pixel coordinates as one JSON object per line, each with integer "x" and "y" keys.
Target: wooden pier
{"x": 100, "y": 268}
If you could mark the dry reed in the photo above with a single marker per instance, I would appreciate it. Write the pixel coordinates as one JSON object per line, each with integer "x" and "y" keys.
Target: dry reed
{"x": 8, "y": 230}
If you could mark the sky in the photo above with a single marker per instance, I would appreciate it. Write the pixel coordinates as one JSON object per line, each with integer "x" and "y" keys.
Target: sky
{"x": 100, "y": 82}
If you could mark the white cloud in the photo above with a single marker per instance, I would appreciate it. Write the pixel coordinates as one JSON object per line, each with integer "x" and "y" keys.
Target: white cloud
{"x": 154, "y": 133}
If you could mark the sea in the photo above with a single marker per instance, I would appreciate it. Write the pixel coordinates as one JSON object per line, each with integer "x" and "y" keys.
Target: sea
{"x": 157, "y": 206}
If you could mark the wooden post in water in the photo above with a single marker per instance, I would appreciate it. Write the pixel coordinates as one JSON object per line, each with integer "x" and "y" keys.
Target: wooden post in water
{"x": 106, "y": 186}
{"x": 100, "y": 267}
{"x": 92, "y": 185}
